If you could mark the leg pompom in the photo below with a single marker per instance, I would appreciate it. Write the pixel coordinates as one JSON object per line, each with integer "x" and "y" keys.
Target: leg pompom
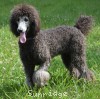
{"x": 40, "y": 78}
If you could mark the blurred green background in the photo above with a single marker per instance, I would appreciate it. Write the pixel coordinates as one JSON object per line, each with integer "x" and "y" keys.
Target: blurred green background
{"x": 52, "y": 13}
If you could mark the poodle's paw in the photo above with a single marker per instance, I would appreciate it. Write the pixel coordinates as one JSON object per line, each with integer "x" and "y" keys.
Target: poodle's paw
{"x": 89, "y": 76}
{"x": 29, "y": 83}
{"x": 41, "y": 77}
{"x": 75, "y": 73}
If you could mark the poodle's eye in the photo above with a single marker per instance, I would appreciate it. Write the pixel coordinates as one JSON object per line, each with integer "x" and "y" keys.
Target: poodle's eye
{"x": 18, "y": 20}
{"x": 26, "y": 19}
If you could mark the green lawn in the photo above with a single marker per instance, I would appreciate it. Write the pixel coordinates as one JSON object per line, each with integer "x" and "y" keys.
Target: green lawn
{"x": 52, "y": 13}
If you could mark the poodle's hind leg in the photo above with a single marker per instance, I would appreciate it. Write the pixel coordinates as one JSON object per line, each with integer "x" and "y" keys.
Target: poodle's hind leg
{"x": 66, "y": 58}
{"x": 78, "y": 58}
{"x": 41, "y": 76}
{"x": 78, "y": 61}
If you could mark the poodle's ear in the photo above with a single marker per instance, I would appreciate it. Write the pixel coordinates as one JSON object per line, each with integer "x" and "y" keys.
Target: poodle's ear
{"x": 13, "y": 27}
{"x": 37, "y": 25}
{"x": 34, "y": 18}
{"x": 13, "y": 24}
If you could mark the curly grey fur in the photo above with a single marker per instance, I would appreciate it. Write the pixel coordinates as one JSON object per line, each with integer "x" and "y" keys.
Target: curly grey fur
{"x": 42, "y": 45}
{"x": 84, "y": 24}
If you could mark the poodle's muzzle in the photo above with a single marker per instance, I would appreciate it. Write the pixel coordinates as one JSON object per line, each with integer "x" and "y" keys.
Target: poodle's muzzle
{"x": 23, "y": 25}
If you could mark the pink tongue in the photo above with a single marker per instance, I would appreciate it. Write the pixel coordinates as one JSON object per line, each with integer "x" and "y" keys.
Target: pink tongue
{"x": 22, "y": 38}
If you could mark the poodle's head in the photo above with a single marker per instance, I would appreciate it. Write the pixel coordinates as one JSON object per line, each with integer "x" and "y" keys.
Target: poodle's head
{"x": 24, "y": 22}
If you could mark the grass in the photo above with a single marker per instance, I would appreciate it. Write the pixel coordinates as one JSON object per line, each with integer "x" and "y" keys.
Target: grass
{"x": 57, "y": 12}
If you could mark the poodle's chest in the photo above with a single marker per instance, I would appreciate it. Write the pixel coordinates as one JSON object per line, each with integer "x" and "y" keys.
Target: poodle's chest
{"x": 31, "y": 54}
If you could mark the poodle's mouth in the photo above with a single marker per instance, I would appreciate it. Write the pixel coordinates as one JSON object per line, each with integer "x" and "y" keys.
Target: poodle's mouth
{"x": 23, "y": 24}
{"x": 22, "y": 37}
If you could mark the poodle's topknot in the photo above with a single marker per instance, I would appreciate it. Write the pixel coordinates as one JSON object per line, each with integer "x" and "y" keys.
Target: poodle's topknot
{"x": 84, "y": 24}
{"x": 25, "y": 10}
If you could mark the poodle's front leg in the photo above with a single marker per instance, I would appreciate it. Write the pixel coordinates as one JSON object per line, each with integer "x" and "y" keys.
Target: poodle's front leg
{"x": 41, "y": 76}
{"x": 29, "y": 69}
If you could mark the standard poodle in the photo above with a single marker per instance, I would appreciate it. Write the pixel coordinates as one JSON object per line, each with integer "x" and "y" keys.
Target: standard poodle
{"x": 38, "y": 47}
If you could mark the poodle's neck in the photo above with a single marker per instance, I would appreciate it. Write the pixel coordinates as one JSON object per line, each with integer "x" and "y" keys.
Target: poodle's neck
{"x": 30, "y": 35}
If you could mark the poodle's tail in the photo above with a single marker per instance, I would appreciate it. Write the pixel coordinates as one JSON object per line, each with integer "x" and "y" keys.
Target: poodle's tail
{"x": 84, "y": 24}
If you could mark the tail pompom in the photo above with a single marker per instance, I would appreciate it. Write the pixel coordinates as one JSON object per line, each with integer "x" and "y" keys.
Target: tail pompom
{"x": 84, "y": 24}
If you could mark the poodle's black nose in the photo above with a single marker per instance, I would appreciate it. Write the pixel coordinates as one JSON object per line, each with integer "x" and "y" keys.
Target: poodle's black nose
{"x": 19, "y": 30}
